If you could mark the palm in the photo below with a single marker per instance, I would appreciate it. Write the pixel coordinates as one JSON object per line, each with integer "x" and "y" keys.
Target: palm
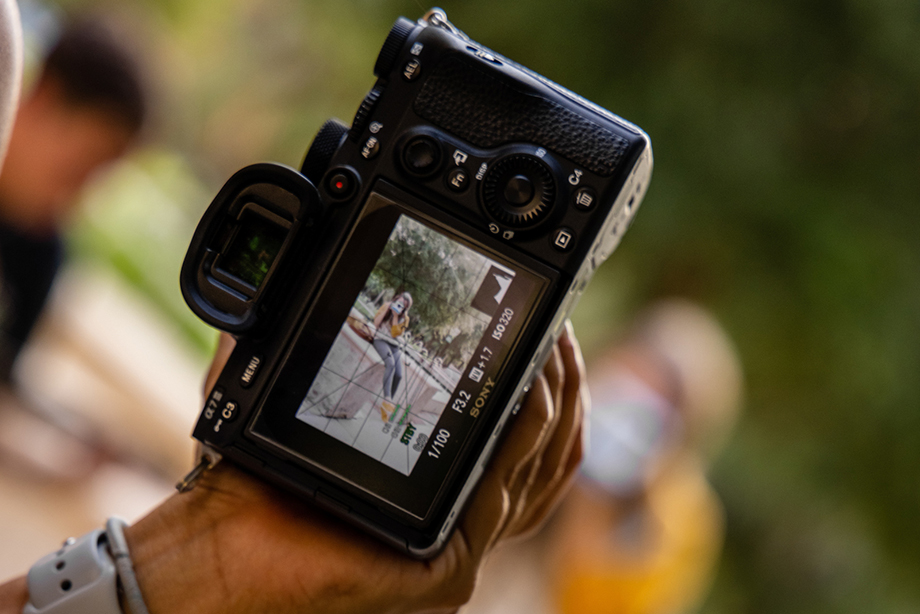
{"x": 256, "y": 549}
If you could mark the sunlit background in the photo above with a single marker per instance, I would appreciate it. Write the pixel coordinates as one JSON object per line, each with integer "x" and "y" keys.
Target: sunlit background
{"x": 785, "y": 199}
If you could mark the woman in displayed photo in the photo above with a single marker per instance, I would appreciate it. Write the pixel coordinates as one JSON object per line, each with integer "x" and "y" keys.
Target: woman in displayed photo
{"x": 390, "y": 323}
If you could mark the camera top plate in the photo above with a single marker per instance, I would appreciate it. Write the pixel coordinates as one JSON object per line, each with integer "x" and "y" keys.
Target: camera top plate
{"x": 535, "y": 166}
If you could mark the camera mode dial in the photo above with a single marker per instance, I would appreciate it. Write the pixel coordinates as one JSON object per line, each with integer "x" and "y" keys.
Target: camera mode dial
{"x": 518, "y": 190}
{"x": 397, "y": 37}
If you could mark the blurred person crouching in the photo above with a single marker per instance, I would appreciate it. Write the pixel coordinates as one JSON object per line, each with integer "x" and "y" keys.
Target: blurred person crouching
{"x": 642, "y": 532}
{"x": 84, "y": 111}
{"x": 642, "y": 529}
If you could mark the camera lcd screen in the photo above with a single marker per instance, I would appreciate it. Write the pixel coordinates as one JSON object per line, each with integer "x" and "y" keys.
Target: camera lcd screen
{"x": 393, "y": 371}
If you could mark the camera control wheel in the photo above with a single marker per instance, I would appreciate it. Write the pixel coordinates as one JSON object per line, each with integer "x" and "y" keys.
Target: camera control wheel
{"x": 518, "y": 190}
{"x": 392, "y": 46}
{"x": 324, "y": 146}
{"x": 363, "y": 115}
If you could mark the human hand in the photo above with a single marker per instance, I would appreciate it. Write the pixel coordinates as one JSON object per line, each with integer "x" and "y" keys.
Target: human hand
{"x": 236, "y": 544}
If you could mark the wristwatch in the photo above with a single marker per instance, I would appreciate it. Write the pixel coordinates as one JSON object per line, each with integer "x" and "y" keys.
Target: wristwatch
{"x": 89, "y": 575}
{"x": 80, "y": 578}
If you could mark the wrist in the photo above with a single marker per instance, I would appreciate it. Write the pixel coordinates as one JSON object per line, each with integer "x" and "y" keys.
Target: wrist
{"x": 173, "y": 552}
{"x": 13, "y": 596}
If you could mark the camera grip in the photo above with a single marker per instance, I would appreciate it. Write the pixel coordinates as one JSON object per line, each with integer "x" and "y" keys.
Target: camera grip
{"x": 488, "y": 113}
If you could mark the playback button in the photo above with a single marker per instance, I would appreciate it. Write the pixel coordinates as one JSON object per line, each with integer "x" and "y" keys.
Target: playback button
{"x": 563, "y": 239}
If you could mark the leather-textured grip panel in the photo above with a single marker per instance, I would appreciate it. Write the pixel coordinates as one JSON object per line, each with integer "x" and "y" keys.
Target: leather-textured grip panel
{"x": 487, "y": 112}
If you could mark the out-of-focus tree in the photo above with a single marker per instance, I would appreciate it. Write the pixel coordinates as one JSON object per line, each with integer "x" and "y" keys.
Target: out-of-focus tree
{"x": 785, "y": 198}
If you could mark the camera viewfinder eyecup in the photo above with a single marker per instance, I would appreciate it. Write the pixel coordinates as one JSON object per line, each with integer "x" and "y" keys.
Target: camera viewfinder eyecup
{"x": 241, "y": 243}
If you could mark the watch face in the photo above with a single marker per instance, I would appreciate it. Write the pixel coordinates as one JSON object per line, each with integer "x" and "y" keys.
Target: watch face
{"x": 392, "y": 414}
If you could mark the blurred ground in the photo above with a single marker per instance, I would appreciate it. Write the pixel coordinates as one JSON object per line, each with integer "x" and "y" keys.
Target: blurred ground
{"x": 102, "y": 423}
{"x": 784, "y": 199}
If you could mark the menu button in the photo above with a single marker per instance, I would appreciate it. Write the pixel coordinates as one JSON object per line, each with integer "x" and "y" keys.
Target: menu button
{"x": 252, "y": 369}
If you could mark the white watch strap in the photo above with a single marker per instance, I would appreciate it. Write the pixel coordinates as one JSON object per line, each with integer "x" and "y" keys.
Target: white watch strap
{"x": 80, "y": 578}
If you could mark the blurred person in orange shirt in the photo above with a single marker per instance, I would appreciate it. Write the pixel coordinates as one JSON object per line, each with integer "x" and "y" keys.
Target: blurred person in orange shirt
{"x": 642, "y": 532}
{"x": 84, "y": 111}
{"x": 642, "y": 529}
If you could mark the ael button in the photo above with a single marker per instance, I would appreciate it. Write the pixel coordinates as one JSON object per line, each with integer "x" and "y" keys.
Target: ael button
{"x": 412, "y": 70}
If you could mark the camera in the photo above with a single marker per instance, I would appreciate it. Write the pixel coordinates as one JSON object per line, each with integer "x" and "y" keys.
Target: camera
{"x": 393, "y": 299}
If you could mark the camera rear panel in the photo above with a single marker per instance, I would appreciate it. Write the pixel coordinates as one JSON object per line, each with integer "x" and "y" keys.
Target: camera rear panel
{"x": 457, "y": 149}
{"x": 537, "y": 169}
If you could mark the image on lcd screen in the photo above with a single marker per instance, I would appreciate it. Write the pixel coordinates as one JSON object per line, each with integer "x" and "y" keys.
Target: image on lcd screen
{"x": 411, "y": 333}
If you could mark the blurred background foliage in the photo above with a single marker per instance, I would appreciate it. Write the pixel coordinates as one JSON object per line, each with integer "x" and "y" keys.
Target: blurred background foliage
{"x": 784, "y": 199}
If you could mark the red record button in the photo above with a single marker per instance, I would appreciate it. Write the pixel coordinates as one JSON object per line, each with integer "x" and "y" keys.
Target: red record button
{"x": 341, "y": 183}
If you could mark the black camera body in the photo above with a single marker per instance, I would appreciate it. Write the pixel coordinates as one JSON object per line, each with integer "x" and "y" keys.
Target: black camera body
{"x": 394, "y": 299}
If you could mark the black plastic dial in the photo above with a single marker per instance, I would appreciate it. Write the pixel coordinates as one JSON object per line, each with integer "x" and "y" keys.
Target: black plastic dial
{"x": 323, "y": 147}
{"x": 364, "y": 112}
{"x": 397, "y": 37}
{"x": 518, "y": 190}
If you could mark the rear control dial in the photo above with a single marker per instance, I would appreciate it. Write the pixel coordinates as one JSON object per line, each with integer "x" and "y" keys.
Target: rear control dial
{"x": 518, "y": 190}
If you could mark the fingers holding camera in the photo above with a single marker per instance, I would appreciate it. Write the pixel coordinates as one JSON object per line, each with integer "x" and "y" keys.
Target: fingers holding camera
{"x": 525, "y": 476}
{"x": 493, "y": 505}
{"x": 564, "y": 452}
{"x": 561, "y": 453}
{"x": 528, "y": 476}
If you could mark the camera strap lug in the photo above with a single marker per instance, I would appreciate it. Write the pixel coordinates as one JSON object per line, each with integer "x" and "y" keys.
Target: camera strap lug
{"x": 209, "y": 458}
{"x": 438, "y": 18}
